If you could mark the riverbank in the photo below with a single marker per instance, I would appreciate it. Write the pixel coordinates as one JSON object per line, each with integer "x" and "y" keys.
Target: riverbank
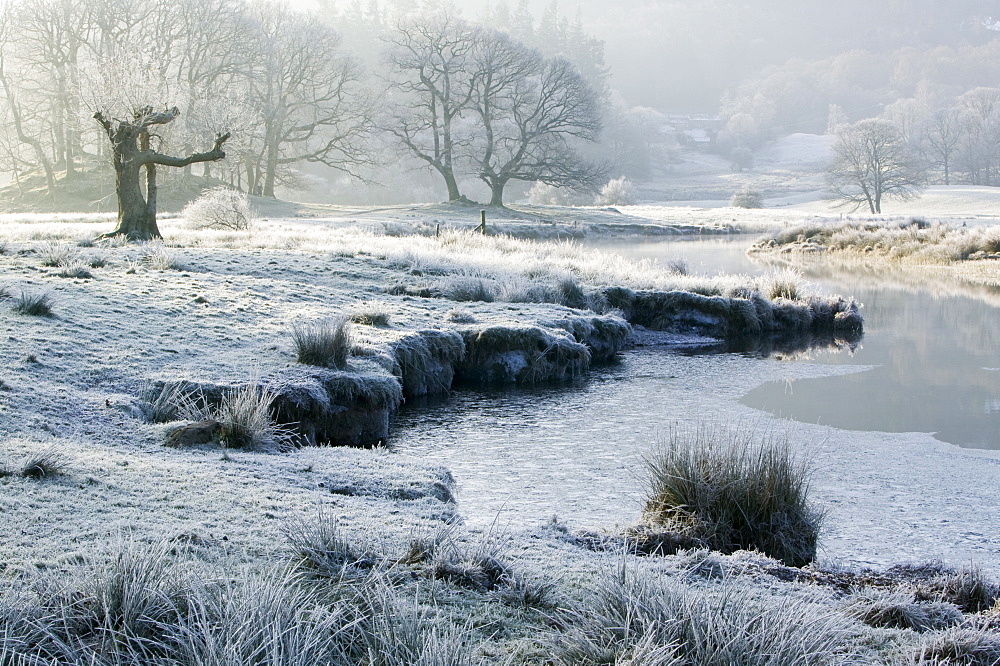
{"x": 206, "y": 313}
{"x": 374, "y": 536}
{"x": 944, "y": 250}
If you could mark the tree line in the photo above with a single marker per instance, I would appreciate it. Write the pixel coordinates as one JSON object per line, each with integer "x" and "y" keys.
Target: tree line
{"x": 461, "y": 98}
{"x": 908, "y": 146}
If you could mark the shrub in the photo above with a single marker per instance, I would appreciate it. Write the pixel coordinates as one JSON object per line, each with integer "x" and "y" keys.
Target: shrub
{"x": 747, "y": 198}
{"x": 34, "y": 305}
{"x": 324, "y": 343}
{"x": 220, "y": 208}
{"x": 245, "y": 420}
{"x": 44, "y": 464}
{"x": 734, "y": 493}
{"x": 617, "y": 192}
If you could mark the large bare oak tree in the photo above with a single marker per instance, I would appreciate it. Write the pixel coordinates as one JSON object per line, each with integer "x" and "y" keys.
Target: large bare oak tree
{"x": 429, "y": 69}
{"x": 532, "y": 111}
{"x": 133, "y": 157}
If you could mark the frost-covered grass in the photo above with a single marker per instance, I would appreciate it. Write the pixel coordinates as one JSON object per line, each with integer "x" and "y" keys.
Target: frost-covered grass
{"x": 451, "y": 599}
{"x": 38, "y": 304}
{"x": 213, "y": 573}
{"x": 512, "y": 265}
{"x": 912, "y": 241}
{"x": 639, "y": 617}
{"x": 734, "y": 489}
{"x": 325, "y": 343}
{"x": 246, "y": 422}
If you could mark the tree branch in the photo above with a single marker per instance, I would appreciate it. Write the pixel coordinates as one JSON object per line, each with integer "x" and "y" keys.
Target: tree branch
{"x": 216, "y": 153}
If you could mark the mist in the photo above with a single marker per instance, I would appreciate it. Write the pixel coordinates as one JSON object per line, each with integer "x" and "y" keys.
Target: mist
{"x": 664, "y": 81}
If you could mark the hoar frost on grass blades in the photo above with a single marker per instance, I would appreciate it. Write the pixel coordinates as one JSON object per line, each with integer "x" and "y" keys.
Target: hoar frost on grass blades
{"x": 734, "y": 489}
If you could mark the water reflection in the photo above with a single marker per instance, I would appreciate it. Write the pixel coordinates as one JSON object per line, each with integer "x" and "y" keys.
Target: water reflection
{"x": 933, "y": 352}
{"x": 933, "y": 342}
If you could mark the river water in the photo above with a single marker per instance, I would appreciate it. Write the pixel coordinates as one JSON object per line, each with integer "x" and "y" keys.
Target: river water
{"x": 929, "y": 363}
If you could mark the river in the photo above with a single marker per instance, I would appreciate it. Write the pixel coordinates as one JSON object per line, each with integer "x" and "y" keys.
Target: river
{"x": 928, "y": 368}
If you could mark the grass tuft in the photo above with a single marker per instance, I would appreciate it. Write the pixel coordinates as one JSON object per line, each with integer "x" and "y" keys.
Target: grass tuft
{"x": 33, "y": 305}
{"x": 246, "y": 422}
{"x": 45, "y": 464}
{"x": 159, "y": 258}
{"x": 54, "y": 254}
{"x": 457, "y": 316}
{"x": 641, "y": 617}
{"x": 325, "y": 343}
{"x": 320, "y": 547}
{"x": 76, "y": 269}
{"x": 478, "y": 565}
{"x": 371, "y": 313}
{"x": 899, "y": 611}
{"x": 968, "y": 588}
{"x": 173, "y": 401}
{"x": 968, "y": 647}
{"x": 734, "y": 493}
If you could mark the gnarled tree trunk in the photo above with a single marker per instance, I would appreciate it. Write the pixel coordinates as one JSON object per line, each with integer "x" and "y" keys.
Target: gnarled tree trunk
{"x": 133, "y": 156}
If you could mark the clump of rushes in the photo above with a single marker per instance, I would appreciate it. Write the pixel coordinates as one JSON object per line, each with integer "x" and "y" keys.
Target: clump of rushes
{"x": 734, "y": 490}
{"x": 33, "y": 305}
{"x": 325, "y": 343}
{"x": 245, "y": 420}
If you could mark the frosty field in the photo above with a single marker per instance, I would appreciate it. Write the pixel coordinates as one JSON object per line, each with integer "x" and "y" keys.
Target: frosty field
{"x": 217, "y": 309}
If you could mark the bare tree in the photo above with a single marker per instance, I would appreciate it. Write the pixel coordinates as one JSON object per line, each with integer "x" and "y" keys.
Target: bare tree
{"x": 429, "y": 75}
{"x": 308, "y": 96}
{"x": 941, "y": 137}
{"x": 872, "y": 162}
{"x": 132, "y": 153}
{"x": 532, "y": 111}
{"x": 28, "y": 112}
{"x": 980, "y": 150}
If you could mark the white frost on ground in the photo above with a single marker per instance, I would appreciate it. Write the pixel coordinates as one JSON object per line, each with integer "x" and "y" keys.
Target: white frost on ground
{"x": 71, "y": 382}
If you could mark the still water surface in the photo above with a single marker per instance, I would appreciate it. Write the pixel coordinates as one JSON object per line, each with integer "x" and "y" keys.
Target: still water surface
{"x": 933, "y": 365}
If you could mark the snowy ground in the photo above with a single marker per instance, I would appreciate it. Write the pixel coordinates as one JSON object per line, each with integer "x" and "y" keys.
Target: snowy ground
{"x": 224, "y": 309}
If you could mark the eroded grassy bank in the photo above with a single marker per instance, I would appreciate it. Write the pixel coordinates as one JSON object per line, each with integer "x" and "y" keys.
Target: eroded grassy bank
{"x": 232, "y": 306}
